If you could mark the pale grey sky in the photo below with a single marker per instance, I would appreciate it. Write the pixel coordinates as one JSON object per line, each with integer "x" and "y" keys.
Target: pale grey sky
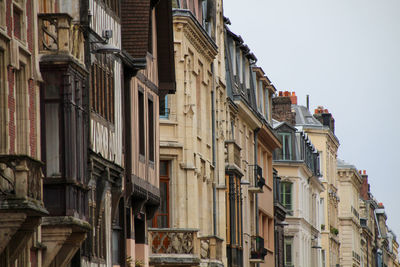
{"x": 346, "y": 55}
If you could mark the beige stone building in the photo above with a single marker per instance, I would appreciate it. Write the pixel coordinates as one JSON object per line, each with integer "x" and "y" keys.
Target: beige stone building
{"x": 349, "y": 184}
{"x": 189, "y": 227}
{"x": 320, "y": 129}
{"x": 298, "y": 166}
{"x": 248, "y": 167}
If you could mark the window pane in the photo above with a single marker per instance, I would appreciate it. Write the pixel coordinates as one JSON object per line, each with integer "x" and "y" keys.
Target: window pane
{"x": 163, "y": 168}
{"x": 141, "y": 123}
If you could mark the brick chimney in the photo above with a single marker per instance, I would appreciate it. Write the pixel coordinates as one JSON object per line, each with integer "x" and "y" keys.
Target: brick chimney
{"x": 282, "y": 107}
{"x": 364, "y": 190}
{"x": 325, "y": 117}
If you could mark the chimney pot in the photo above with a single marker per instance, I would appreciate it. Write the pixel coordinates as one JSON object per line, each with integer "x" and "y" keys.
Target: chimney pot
{"x": 280, "y": 93}
{"x": 293, "y": 98}
{"x": 364, "y": 172}
{"x": 359, "y": 171}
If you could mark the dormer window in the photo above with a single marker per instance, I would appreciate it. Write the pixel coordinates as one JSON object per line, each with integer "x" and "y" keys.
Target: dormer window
{"x": 286, "y": 140}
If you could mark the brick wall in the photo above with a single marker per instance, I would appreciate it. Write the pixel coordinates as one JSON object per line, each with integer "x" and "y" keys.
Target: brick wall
{"x": 29, "y": 23}
{"x": 11, "y": 108}
{"x": 9, "y": 18}
{"x": 32, "y": 117}
{"x": 364, "y": 187}
{"x": 282, "y": 109}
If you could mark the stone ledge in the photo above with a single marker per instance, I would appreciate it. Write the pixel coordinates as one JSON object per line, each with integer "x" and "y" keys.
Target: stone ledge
{"x": 174, "y": 259}
{"x": 66, "y": 221}
{"x": 31, "y": 206}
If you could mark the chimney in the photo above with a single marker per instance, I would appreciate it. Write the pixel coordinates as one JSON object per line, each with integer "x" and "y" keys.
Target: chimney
{"x": 282, "y": 107}
{"x": 293, "y": 98}
{"x": 325, "y": 117}
{"x": 364, "y": 190}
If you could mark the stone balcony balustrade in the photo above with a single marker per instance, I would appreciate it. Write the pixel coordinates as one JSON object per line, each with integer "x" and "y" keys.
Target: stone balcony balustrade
{"x": 183, "y": 247}
{"x": 59, "y": 36}
{"x": 21, "y": 205}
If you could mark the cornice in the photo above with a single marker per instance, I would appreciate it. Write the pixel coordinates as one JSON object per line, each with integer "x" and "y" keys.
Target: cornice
{"x": 195, "y": 33}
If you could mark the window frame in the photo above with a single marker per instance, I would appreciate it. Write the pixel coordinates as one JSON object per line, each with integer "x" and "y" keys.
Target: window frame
{"x": 285, "y": 144}
{"x": 151, "y": 128}
{"x": 164, "y": 178}
{"x": 165, "y": 109}
{"x": 141, "y": 122}
{"x": 288, "y": 240}
{"x": 288, "y": 206}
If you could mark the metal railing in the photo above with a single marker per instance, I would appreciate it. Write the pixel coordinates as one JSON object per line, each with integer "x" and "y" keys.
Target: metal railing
{"x": 257, "y": 250}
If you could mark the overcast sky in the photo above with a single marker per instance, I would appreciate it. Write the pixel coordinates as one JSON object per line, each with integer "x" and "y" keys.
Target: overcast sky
{"x": 346, "y": 55}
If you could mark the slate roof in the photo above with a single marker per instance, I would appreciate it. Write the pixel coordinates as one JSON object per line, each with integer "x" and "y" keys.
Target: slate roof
{"x": 305, "y": 118}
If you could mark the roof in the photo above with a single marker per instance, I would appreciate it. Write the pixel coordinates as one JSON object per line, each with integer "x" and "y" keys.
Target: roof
{"x": 305, "y": 118}
{"x": 276, "y": 124}
{"x": 341, "y": 164}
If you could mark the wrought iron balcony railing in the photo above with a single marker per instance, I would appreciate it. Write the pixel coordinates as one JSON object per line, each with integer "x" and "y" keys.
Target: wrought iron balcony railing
{"x": 258, "y": 251}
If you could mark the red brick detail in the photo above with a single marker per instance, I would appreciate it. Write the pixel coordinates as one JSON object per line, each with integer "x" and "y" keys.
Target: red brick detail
{"x": 32, "y": 117}
{"x": 9, "y": 21}
{"x": 29, "y": 22}
{"x": 364, "y": 190}
{"x": 11, "y": 108}
{"x": 282, "y": 109}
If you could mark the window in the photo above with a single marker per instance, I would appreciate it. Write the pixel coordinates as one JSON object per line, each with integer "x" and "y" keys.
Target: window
{"x": 234, "y": 212}
{"x": 150, "y": 117}
{"x": 163, "y": 107}
{"x": 102, "y": 91}
{"x": 323, "y": 258}
{"x": 161, "y": 219}
{"x": 2, "y": 11}
{"x": 118, "y": 235}
{"x": 267, "y": 104}
{"x": 3, "y": 112}
{"x": 141, "y": 122}
{"x": 21, "y": 110}
{"x": 286, "y": 196}
{"x": 288, "y": 251}
{"x": 17, "y": 21}
{"x": 286, "y": 139}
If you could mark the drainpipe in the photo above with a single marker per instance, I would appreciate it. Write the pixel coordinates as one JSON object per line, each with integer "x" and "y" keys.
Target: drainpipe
{"x": 213, "y": 152}
{"x": 255, "y": 162}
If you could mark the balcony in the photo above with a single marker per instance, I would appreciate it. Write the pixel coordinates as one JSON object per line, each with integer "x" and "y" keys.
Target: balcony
{"x": 59, "y": 36}
{"x": 257, "y": 181}
{"x": 21, "y": 205}
{"x": 356, "y": 257}
{"x": 172, "y": 247}
{"x": 233, "y": 153}
{"x": 258, "y": 251}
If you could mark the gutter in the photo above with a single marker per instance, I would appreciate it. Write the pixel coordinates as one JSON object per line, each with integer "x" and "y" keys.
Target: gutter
{"x": 213, "y": 153}
{"x": 256, "y": 195}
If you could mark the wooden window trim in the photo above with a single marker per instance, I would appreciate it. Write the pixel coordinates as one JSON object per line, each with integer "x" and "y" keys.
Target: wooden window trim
{"x": 164, "y": 179}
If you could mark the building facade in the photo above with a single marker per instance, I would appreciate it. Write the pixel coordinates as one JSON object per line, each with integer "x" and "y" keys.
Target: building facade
{"x": 21, "y": 177}
{"x": 149, "y": 74}
{"x": 186, "y": 231}
{"x": 320, "y": 130}
{"x": 248, "y": 168}
{"x": 298, "y": 166}
{"x": 349, "y": 183}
